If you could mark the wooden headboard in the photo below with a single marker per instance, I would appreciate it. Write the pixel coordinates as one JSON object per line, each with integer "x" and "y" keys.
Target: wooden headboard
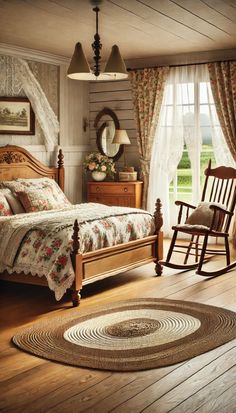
{"x": 17, "y": 162}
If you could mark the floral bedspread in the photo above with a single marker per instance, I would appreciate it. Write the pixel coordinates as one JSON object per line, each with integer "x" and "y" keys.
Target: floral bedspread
{"x": 40, "y": 243}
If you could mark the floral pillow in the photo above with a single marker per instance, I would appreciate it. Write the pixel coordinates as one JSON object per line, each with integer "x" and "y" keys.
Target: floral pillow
{"x": 35, "y": 200}
{"x": 20, "y": 185}
{"x": 50, "y": 184}
{"x": 5, "y": 208}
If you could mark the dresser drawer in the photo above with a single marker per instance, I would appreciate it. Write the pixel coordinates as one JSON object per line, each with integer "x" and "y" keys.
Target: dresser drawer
{"x": 111, "y": 189}
{"x": 126, "y": 201}
{"x": 115, "y": 193}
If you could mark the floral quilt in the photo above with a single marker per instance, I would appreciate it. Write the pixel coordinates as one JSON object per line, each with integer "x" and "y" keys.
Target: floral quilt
{"x": 40, "y": 243}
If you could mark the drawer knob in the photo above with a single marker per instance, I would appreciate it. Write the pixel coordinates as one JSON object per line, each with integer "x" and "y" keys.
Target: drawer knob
{"x": 125, "y": 189}
{"x": 97, "y": 189}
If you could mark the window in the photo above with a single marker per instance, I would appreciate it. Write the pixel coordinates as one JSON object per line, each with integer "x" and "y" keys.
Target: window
{"x": 181, "y": 185}
{"x": 188, "y": 134}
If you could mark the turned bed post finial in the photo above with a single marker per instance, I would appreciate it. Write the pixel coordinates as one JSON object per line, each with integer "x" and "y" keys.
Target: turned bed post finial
{"x": 60, "y": 161}
{"x": 75, "y": 237}
{"x": 75, "y": 249}
{"x": 158, "y": 215}
{"x": 60, "y": 169}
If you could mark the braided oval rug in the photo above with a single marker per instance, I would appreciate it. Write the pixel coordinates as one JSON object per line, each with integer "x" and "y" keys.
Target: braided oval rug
{"x": 130, "y": 335}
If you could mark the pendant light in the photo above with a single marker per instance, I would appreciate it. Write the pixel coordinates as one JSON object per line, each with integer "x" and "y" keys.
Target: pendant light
{"x": 79, "y": 68}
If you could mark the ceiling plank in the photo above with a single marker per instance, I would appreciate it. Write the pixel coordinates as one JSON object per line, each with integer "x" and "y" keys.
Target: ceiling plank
{"x": 224, "y": 8}
{"x": 202, "y": 10}
{"x": 142, "y": 28}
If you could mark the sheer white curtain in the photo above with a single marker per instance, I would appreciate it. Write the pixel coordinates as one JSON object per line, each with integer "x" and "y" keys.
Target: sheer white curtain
{"x": 167, "y": 150}
{"x": 187, "y": 103}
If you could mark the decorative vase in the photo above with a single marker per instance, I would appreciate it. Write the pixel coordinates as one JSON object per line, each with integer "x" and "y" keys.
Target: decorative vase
{"x": 98, "y": 176}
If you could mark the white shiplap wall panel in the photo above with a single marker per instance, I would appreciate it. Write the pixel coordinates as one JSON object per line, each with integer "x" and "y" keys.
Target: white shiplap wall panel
{"x": 110, "y": 96}
{"x": 117, "y": 105}
{"x": 116, "y": 96}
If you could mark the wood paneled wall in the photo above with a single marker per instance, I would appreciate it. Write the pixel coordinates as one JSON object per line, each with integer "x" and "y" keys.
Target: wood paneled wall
{"x": 116, "y": 96}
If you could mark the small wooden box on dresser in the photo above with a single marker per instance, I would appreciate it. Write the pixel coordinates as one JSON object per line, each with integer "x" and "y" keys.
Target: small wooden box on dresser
{"x": 127, "y": 194}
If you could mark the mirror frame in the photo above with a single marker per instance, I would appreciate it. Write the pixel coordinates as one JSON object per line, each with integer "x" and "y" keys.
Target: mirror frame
{"x": 109, "y": 112}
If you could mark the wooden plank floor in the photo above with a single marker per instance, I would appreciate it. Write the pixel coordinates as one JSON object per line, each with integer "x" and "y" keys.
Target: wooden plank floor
{"x": 204, "y": 384}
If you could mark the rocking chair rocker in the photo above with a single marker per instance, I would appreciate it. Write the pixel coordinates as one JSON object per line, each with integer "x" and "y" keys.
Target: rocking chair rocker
{"x": 211, "y": 217}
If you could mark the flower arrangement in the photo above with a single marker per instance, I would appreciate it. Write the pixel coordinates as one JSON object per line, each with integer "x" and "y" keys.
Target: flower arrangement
{"x": 95, "y": 161}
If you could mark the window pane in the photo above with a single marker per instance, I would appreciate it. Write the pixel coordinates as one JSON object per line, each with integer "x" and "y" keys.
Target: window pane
{"x": 182, "y": 184}
{"x": 206, "y": 154}
{"x": 185, "y": 93}
{"x": 204, "y": 115}
{"x": 206, "y": 133}
{"x": 169, "y": 115}
{"x": 205, "y": 94}
{"x": 188, "y": 112}
{"x": 168, "y": 99}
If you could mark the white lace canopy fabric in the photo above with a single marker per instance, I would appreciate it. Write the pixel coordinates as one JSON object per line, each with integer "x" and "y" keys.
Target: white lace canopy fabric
{"x": 19, "y": 79}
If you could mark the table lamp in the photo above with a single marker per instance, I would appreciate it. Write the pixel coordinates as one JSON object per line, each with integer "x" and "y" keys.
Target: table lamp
{"x": 121, "y": 138}
{"x": 128, "y": 173}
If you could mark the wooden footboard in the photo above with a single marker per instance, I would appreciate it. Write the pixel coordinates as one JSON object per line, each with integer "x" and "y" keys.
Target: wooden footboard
{"x": 96, "y": 265}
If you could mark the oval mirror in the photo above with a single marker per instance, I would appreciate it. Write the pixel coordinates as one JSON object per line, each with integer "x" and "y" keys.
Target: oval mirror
{"x": 105, "y": 132}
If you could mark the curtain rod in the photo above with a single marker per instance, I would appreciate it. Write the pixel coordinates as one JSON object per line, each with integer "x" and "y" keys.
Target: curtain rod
{"x": 183, "y": 64}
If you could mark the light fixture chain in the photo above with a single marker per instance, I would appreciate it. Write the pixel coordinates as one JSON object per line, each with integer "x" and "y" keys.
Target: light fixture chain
{"x": 96, "y": 45}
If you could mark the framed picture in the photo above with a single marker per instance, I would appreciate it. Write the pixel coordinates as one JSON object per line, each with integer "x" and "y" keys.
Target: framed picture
{"x": 16, "y": 116}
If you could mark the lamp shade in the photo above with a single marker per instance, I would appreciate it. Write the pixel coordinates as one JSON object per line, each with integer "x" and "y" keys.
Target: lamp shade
{"x": 115, "y": 65}
{"x": 121, "y": 137}
{"x": 79, "y": 67}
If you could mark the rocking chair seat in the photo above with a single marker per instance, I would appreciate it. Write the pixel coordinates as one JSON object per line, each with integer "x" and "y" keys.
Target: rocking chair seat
{"x": 187, "y": 228}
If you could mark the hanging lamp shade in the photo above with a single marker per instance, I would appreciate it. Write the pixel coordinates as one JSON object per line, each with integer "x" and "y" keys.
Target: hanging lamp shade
{"x": 79, "y": 67}
{"x": 115, "y": 66}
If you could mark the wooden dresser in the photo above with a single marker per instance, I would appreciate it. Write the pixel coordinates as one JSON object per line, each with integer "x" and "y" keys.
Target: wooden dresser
{"x": 116, "y": 193}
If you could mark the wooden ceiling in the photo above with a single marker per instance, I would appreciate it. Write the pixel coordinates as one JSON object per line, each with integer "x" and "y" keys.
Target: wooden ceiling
{"x": 141, "y": 28}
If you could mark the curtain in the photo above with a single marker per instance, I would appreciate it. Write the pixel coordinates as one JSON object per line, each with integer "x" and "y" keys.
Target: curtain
{"x": 187, "y": 118}
{"x": 147, "y": 90}
{"x": 223, "y": 86}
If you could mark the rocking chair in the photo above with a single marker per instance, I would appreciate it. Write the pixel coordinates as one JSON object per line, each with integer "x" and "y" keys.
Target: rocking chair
{"x": 211, "y": 218}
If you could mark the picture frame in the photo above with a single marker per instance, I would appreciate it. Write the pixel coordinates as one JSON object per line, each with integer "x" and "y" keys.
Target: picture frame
{"x": 16, "y": 116}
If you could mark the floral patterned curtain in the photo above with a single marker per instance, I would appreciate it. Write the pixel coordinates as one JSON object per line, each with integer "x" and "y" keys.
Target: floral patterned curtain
{"x": 223, "y": 85}
{"x": 147, "y": 90}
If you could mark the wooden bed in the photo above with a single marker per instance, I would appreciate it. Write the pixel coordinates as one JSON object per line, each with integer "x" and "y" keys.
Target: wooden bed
{"x": 16, "y": 162}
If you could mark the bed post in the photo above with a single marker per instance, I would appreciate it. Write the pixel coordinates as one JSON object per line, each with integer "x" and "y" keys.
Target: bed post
{"x": 76, "y": 265}
{"x": 61, "y": 171}
{"x": 158, "y": 224}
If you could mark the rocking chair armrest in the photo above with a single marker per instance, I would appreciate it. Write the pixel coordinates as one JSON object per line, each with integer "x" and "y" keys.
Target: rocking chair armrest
{"x": 181, "y": 203}
{"x": 220, "y": 209}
